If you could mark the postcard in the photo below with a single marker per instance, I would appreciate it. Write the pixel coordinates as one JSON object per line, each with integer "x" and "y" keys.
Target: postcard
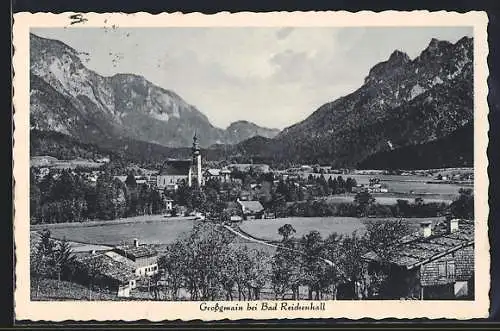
{"x": 250, "y": 166}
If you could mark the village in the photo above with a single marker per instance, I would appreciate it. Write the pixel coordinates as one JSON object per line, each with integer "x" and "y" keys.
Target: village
{"x": 433, "y": 261}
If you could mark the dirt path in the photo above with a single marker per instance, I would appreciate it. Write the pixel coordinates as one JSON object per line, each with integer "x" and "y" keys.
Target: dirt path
{"x": 263, "y": 242}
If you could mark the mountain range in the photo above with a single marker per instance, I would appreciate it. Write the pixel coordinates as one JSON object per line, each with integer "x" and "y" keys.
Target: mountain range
{"x": 403, "y": 105}
{"x": 412, "y": 108}
{"x": 69, "y": 98}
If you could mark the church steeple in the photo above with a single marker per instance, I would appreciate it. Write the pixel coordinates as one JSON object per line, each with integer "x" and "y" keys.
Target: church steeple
{"x": 196, "y": 147}
{"x": 197, "y": 158}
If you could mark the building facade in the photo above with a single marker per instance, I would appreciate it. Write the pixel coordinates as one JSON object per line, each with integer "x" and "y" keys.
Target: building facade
{"x": 144, "y": 259}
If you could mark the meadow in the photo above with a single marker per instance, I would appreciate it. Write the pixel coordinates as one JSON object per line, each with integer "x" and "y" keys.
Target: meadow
{"x": 412, "y": 185}
{"x": 391, "y": 199}
{"x": 154, "y": 232}
{"x": 166, "y": 231}
{"x": 267, "y": 229}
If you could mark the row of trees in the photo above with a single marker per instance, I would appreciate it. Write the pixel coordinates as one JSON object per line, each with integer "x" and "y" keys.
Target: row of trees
{"x": 68, "y": 197}
{"x": 210, "y": 265}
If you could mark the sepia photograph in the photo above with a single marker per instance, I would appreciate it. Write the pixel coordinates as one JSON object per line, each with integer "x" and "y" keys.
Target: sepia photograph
{"x": 276, "y": 167}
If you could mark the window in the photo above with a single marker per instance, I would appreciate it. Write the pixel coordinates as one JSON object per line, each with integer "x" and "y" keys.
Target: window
{"x": 442, "y": 269}
{"x": 451, "y": 269}
{"x": 446, "y": 269}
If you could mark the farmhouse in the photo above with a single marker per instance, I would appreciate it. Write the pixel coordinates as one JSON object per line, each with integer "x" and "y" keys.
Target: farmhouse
{"x": 102, "y": 271}
{"x": 143, "y": 258}
{"x": 251, "y": 209}
{"x": 436, "y": 262}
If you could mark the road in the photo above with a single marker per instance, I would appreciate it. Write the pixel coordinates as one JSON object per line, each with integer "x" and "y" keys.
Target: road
{"x": 263, "y": 242}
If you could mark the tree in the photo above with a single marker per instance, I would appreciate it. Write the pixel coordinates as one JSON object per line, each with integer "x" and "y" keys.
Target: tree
{"x": 63, "y": 260}
{"x": 314, "y": 269}
{"x": 286, "y": 231}
{"x": 382, "y": 238}
{"x": 363, "y": 199}
{"x": 41, "y": 265}
{"x": 35, "y": 198}
{"x": 286, "y": 268}
{"x": 463, "y": 207}
{"x": 130, "y": 181}
{"x": 278, "y": 204}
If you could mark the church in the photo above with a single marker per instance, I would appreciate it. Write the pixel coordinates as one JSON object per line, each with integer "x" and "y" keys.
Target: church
{"x": 173, "y": 171}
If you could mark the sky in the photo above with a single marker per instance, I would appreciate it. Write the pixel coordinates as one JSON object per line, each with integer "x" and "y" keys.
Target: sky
{"x": 274, "y": 77}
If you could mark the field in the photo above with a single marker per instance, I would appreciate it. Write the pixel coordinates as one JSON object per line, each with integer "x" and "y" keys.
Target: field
{"x": 267, "y": 229}
{"x": 150, "y": 231}
{"x": 391, "y": 199}
{"x": 412, "y": 185}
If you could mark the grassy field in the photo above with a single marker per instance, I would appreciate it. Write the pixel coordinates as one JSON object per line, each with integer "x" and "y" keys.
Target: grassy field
{"x": 149, "y": 232}
{"x": 407, "y": 184}
{"x": 391, "y": 199}
{"x": 267, "y": 229}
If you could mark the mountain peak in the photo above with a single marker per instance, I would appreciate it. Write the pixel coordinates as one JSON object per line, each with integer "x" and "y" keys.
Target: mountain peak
{"x": 396, "y": 60}
{"x": 436, "y": 45}
{"x": 399, "y": 57}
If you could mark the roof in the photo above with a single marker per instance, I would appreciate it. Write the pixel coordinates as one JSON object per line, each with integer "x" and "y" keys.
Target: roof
{"x": 415, "y": 250}
{"x": 108, "y": 267}
{"x": 176, "y": 167}
{"x": 213, "y": 172}
{"x": 253, "y": 206}
{"x": 136, "y": 252}
{"x": 119, "y": 258}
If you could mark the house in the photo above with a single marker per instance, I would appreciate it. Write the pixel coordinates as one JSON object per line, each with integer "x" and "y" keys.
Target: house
{"x": 143, "y": 257}
{"x": 225, "y": 175}
{"x": 251, "y": 209}
{"x": 212, "y": 174}
{"x": 236, "y": 218}
{"x": 169, "y": 204}
{"x": 101, "y": 270}
{"x": 435, "y": 263}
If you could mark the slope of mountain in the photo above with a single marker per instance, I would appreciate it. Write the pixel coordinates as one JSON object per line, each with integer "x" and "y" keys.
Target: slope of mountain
{"x": 454, "y": 150}
{"x": 402, "y": 103}
{"x": 69, "y": 98}
{"x": 64, "y": 147}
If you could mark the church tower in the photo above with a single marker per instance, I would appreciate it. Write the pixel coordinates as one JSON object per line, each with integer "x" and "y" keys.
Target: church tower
{"x": 197, "y": 158}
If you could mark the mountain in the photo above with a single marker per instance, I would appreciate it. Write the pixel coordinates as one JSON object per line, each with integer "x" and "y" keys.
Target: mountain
{"x": 402, "y": 103}
{"x": 69, "y": 98}
{"x": 454, "y": 150}
{"x": 243, "y": 130}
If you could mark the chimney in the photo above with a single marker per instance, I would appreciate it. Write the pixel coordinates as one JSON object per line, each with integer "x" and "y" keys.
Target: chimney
{"x": 426, "y": 229}
{"x": 136, "y": 242}
{"x": 452, "y": 225}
